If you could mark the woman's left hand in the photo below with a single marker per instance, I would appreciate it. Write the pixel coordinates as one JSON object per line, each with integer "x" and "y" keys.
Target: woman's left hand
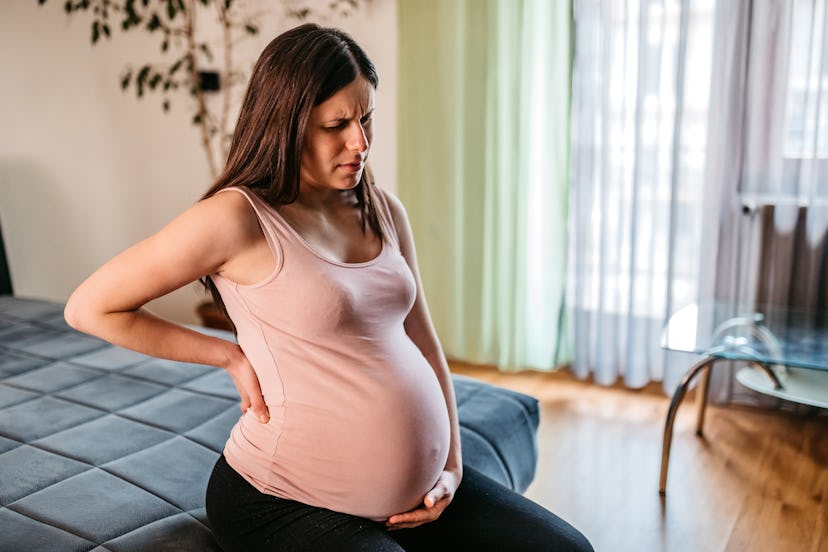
{"x": 434, "y": 503}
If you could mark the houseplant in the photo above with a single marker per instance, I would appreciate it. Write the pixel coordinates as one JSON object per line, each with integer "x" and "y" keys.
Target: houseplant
{"x": 195, "y": 64}
{"x": 198, "y": 40}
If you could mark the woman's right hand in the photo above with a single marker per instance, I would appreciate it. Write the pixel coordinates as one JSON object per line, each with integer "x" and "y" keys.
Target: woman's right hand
{"x": 247, "y": 384}
{"x": 109, "y": 304}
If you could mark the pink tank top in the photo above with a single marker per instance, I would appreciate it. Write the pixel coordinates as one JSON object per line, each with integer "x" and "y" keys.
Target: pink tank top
{"x": 358, "y": 420}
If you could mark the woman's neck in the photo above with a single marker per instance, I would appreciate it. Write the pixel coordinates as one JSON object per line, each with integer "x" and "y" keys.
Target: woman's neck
{"x": 324, "y": 199}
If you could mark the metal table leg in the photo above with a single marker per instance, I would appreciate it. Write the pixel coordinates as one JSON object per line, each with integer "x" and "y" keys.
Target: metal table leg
{"x": 704, "y": 367}
{"x": 681, "y": 390}
{"x": 702, "y": 396}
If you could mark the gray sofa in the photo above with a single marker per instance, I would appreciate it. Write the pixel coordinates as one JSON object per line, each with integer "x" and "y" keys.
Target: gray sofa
{"x": 105, "y": 449}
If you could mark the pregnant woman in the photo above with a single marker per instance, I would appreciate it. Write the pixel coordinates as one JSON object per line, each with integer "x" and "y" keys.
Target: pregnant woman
{"x": 349, "y": 437}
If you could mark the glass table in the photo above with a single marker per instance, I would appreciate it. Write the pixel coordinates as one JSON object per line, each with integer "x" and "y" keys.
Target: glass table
{"x": 786, "y": 351}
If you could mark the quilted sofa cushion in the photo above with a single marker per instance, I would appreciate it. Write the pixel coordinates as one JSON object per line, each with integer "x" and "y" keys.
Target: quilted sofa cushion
{"x": 106, "y": 449}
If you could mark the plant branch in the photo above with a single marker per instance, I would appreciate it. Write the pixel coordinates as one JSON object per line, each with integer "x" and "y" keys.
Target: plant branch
{"x": 198, "y": 93}
{"x": 226, "y": 27}
{"x": 173, "y": 22}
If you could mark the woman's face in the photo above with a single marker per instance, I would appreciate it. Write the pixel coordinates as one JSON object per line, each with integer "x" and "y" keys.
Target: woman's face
{"x": 338, "y": 138}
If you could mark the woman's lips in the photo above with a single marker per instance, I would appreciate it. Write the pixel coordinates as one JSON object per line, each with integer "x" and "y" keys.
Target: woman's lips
{"x": 352, "y": 167}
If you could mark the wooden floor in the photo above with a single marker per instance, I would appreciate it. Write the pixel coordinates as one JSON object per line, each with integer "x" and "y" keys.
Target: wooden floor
{"x": 757, "y": 480}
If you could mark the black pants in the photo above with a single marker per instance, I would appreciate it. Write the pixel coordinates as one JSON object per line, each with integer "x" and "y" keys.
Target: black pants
{"x": 483, "y": 515}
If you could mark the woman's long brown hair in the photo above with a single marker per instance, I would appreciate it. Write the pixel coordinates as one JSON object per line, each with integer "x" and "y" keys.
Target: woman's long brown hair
{"x": 298, "y": 70}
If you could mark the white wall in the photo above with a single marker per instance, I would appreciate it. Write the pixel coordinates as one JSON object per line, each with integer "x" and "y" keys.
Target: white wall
{"x": 86, "y": 170}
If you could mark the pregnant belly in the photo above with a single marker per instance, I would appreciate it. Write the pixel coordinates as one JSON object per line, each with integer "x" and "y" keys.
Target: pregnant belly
{"x": 372, "y": 450}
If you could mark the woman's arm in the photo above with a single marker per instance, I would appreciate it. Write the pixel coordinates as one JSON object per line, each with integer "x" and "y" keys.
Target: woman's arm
{"x": 202, "y": 240}
{"x": 420, "y": 329}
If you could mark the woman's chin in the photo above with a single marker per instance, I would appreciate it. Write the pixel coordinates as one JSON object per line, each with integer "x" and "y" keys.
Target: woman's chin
{"x": 351, "y": 181}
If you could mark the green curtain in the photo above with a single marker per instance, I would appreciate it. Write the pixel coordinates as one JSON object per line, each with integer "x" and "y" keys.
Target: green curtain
{"x": 483, "y": 172}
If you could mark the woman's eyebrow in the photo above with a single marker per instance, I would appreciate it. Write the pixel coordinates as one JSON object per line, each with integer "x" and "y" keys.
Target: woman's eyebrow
{"x": 339, "y": 118}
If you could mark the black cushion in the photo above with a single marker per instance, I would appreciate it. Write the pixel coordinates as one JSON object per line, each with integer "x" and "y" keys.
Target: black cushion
{"x": 5, "y": 276}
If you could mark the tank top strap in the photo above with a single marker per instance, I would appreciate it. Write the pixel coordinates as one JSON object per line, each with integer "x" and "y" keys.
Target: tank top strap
{"x": 272, "y": 225}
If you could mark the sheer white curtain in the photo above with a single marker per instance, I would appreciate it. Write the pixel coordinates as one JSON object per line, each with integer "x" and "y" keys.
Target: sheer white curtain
{"x": 770, "y": 141}
{"x": 694, "y": 176}
{"x": 639, "y": 129}
{"x": 768, "y": 174}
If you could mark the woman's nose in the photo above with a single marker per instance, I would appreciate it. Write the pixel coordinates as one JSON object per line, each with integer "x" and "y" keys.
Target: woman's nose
{"x": 357, "y": 138}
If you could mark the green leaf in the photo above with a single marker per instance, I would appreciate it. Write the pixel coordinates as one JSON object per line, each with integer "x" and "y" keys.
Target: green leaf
{"x": 125, "y": 79}
{"x": 174, "y": 67}
{"x": 67, "y": 7}
{"x": 140, "y": 81}
{"x": 105, "y": 29}
{"x": 171, "y": 9}
{"x": 165, "y": 45}
{"x": 132, "y": 18}
{"x": 96, "y": 31}
{"x": 166, "y": 106}
{"x": 251, "y": 28}
{"x": 155, "y": 81}
{"x": 154, "y": 23}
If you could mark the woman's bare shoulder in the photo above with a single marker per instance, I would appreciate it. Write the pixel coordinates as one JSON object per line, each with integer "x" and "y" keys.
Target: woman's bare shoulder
{"x": 231, "y": 201}
{"x": 228, "y": 215}
{"x": 395, "y": 206}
